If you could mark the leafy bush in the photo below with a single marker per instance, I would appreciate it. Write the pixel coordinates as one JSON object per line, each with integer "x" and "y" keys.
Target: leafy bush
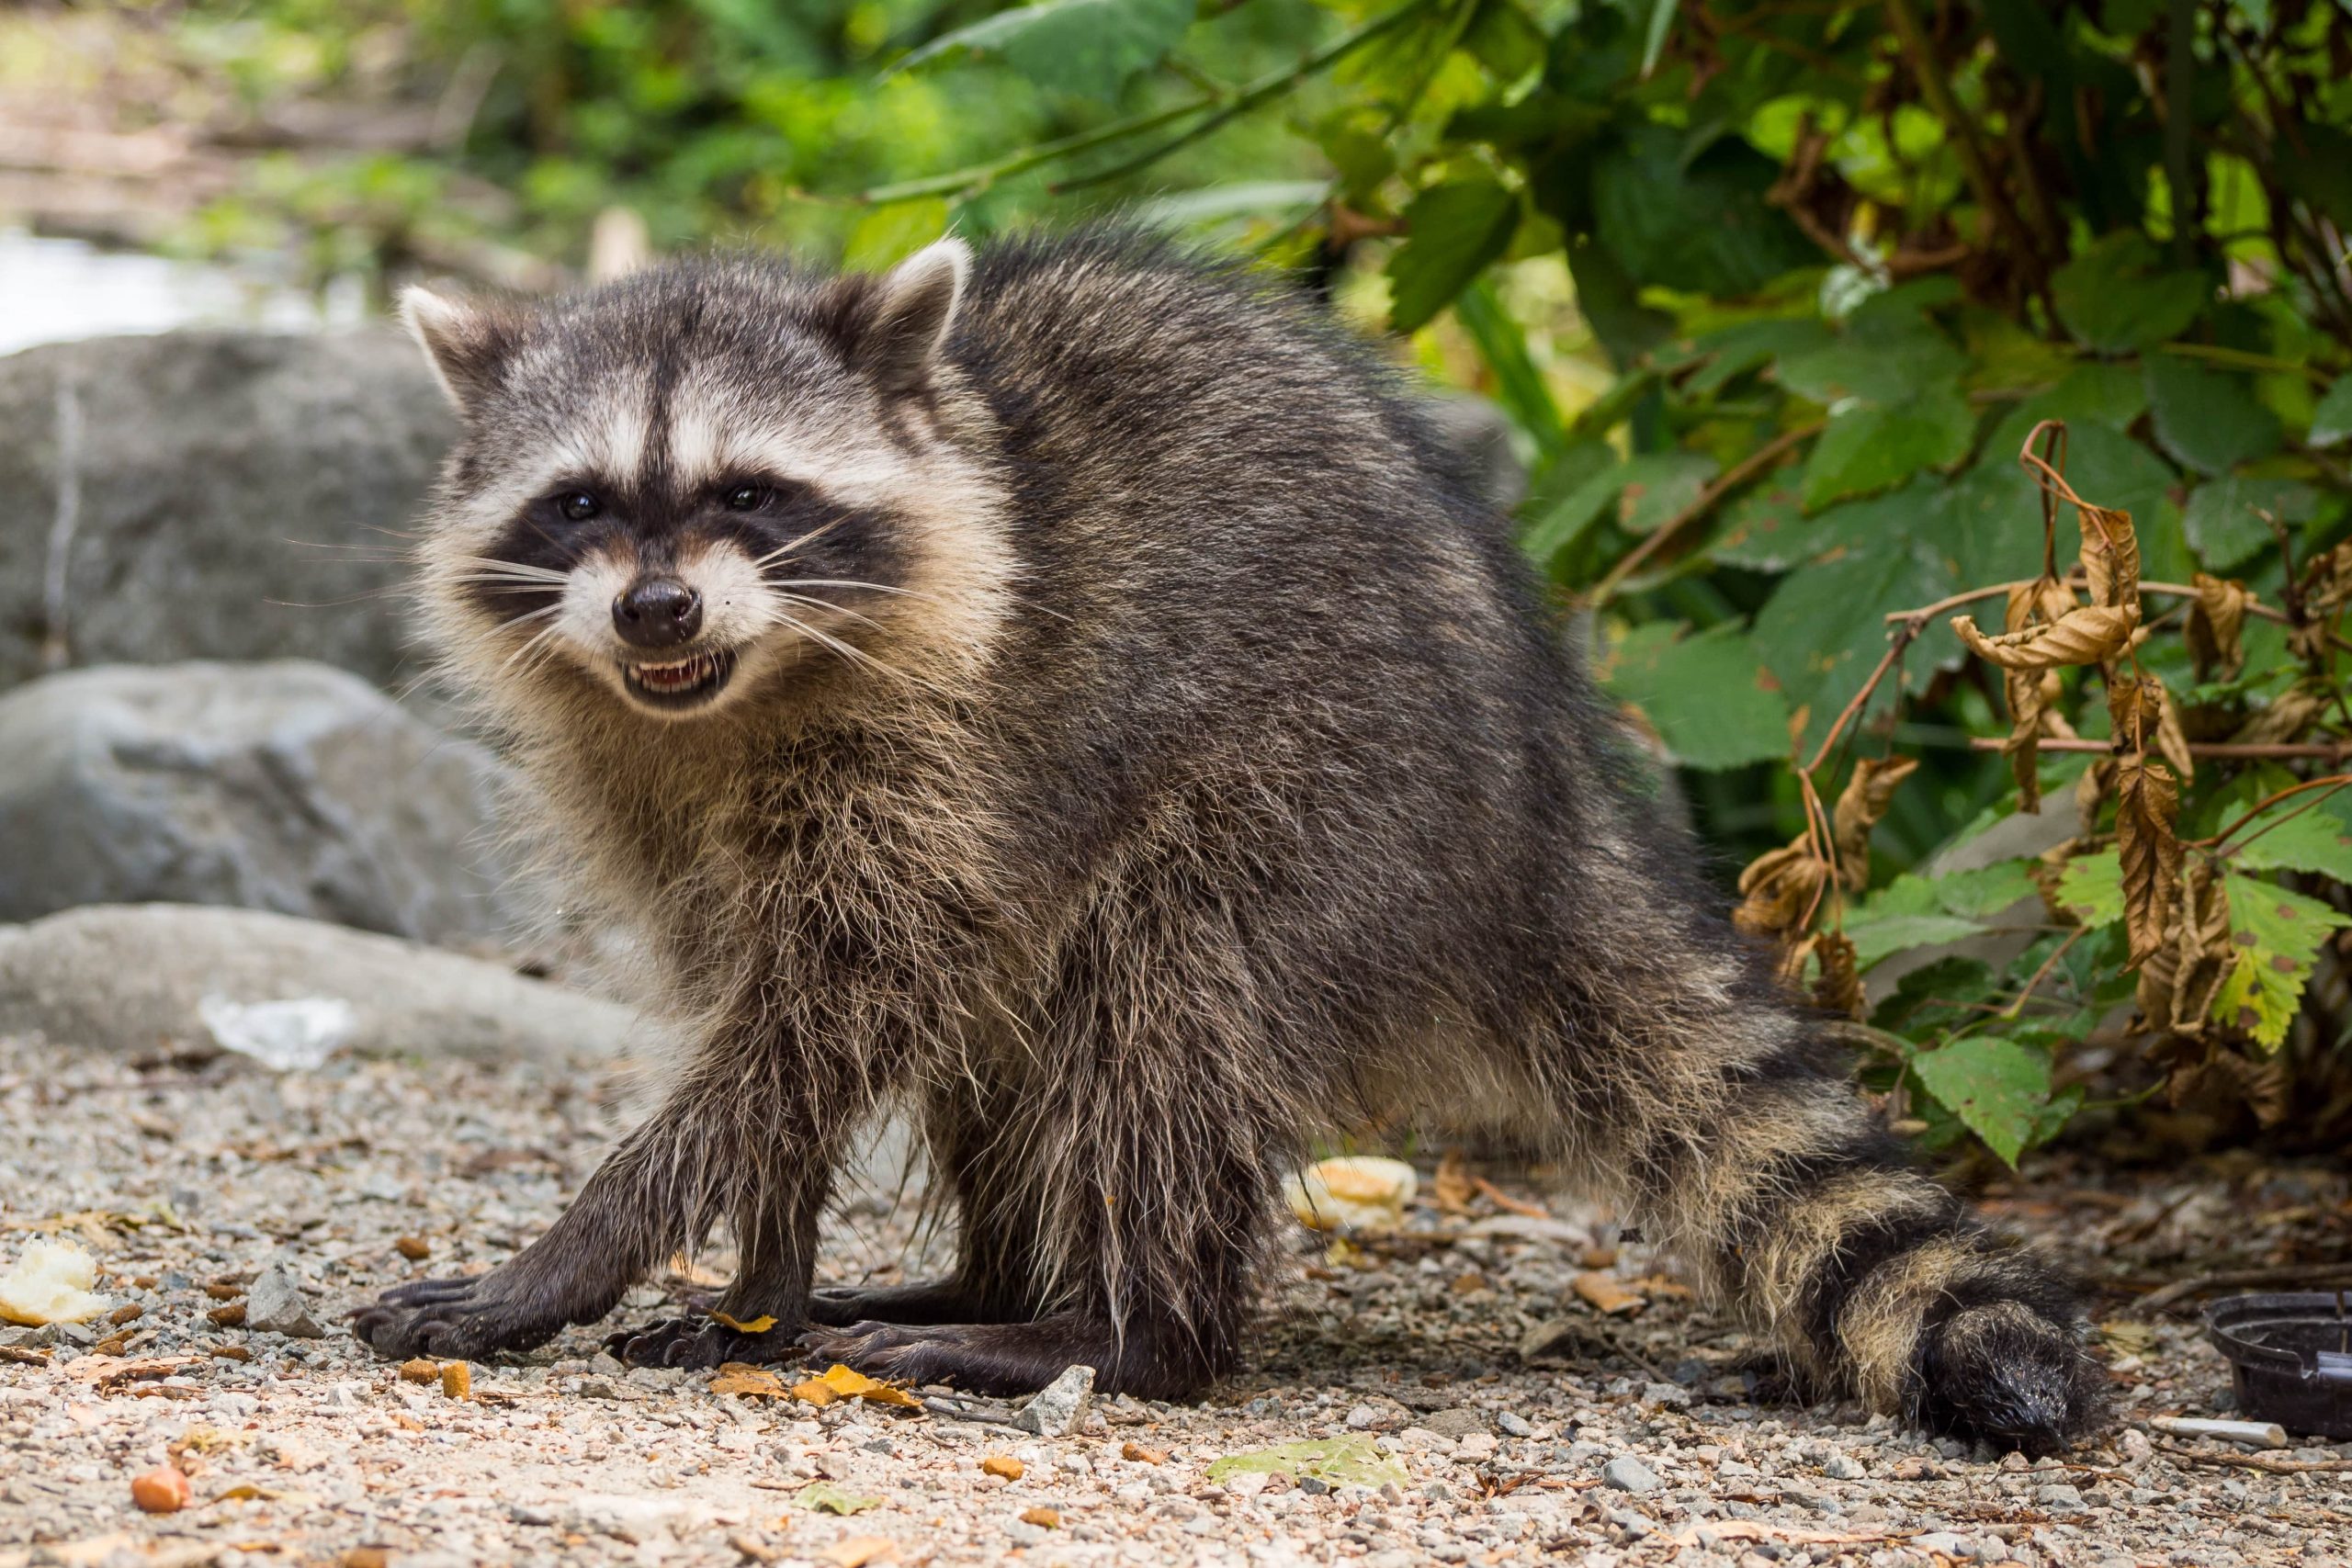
{"x": 1849, "y": 264}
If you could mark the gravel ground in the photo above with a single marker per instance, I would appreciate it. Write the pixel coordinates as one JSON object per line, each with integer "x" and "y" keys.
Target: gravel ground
{"x": 1635, "y": 1439}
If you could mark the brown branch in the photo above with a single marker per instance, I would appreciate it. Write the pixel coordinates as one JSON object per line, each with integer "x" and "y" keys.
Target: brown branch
{"x": 1900, "y": 640}
{"x": 2332, "y": 751}
{"x": 2271, "y": 1463}
{"x": 2237, "y": 1279}
{"x": 1739, "y": 473}
{"x": 2073, "y": 580}
{"x": 2332, "y": 781}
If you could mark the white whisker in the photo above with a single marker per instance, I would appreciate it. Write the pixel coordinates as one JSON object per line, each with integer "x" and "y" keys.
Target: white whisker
{"x": 783, "y": 550}
{"x": 511, "y": 567}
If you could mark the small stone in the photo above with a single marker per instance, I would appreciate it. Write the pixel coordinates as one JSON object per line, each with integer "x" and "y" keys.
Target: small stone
{"x": 274, "y": 1304}
{"x": 1044, "y": 1519}
{"x": 1005, "y": 1465}
{"x": 1142, "y": 1455}
{"x": 1476, "y": 1448}
{"x": 1514, "y": 1425}
{"x": 1314, "y": 1486}
{"x": 1842, "y": 1467}
{"x": 1627, "y": 1474}
{"x": 2135, "y": 1447}
{"x": 165, "y": 1490}
{"x": 2059, "y": 1498}
{"x": 1455, "y": 1423}
{"x": 1363, "y": 1418}
{"x": 1060, "y": 1405}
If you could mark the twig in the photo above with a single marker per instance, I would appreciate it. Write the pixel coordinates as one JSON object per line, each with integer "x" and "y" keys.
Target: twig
{"x": 2334, "y": 782}
{"x": 1895, "y": 644}
{"x": 2073, "y": 580}
{"x": 2235, "y": 1279}
{"x": 1262, "y": 90}
{"x": 1936, "y": 87}
{"x": 1739, "y": 473}
{"x": 2270, "y": 1462}
{"x": 2329, "y": 750}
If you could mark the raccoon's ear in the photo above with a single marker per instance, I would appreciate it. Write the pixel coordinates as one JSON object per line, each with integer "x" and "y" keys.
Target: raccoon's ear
{"x": 466, "y": 342}
{"x": 911, "y": 312}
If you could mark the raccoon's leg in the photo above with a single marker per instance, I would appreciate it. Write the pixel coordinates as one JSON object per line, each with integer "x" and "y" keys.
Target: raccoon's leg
{"x": 997, "y": 1267}
{"x": 1738, "y": 1137}
{"x": 639, "y": 1207}
{"x": 1144, "y": 1134}
{"x": 776, "y": 1240}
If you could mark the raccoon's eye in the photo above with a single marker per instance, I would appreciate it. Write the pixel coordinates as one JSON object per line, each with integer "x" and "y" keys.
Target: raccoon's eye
{"x": 746, "y": 498}
{"x": 578, "y": 506}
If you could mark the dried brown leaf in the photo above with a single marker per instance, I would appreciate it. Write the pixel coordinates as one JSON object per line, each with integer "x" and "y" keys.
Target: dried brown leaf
{"x": 2092, "y": 635}
{"x": 2204, "y": 950}
{"x": 2216, "y": 630}
{"x": 1839, "y": 988}
{"x": 1779, "y": 889}
{"x": 747, "y": 1381}
{"x": 2147, "y": 805}
{"x": 2291, "y": 712}
{"x": 2327, "y": 579}
{"x": 2091, "y": 791}
{"x": 1861, "y": 805}
{"x": 1453, "y": 1187}
{"x": 1607, "y": 1294}
{"x": 2111, "y": 558}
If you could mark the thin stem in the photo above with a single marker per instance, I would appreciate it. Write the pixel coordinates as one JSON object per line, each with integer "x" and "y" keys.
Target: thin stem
{"x": 1736, "y": 474}
{"x": 1235, "y": 105}
{"x": 1895, "y": 644}
{"x": 2243, "y": 359}
{"x": 978, "y": 174}
{"x": 2332, "y": 783}
{"x": 2330, "y": 751}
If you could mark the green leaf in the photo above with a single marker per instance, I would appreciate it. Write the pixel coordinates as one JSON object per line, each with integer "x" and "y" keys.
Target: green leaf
{"x": 2116, "y": 296}
{"x": 2094, "y": 392}
{"x": 2331, "y": 420}
{"x": 1659, "y": 484}
{"x": 2091, "y": 889}
{"x": 1570, "y": 497}
{"x": 1661, "y": 24}
{"x": 1453, "y": 229}
{"x": 1336, "y": 1461}
{"x": 1766, "y": 530}
{"x": 2220, "y": 522}
{"x": 888, "y": 235}
{"x": 2208, "y": 420}
{"x": 827, "y": 1499}
{"x": 1707, "y": 696}
{"x": 1733, "y": 351}
{"x": 1869, "y": 448}
{"x": 1086, "y": 48}
{"x": 1885, "y": 368}
{"x": 1703, "y": 226}
{"x": 1824, "y": 629}
{"x": 1996, "y": 1087}
{"x": 2287, "y": 839}
{"x": 1519, "y": 386}
{"x": 2279, "y": 935}
{"x": 1874, "y": 940}
{"x": 1610, "y": 301}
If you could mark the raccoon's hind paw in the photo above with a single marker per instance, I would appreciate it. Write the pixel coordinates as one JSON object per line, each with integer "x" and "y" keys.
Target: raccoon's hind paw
{"x": 2005, "y": 1373}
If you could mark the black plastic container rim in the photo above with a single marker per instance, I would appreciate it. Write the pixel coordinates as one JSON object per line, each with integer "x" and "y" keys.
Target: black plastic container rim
{"x": 2311, "y": 1306}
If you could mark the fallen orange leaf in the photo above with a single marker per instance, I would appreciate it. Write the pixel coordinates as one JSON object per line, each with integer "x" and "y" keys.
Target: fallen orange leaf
{"x": 852, "y": 1384}
{"x": 750, "y": 1382}
{"x": 1607, "y": 1293}
{"x": 759, "y": 1324}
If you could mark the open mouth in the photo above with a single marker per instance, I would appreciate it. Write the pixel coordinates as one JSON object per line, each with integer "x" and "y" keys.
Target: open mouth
{"x": 685, "y": 683}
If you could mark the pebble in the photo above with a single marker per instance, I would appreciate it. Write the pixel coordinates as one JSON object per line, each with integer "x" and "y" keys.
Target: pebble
{"x": 274, "y": 1304}
{"x": 1840, "y": 1466}
{"x": 1514, "y": 1425}
{"x": 1060, "y": 1405}
{"x": 1627, "y": 1474}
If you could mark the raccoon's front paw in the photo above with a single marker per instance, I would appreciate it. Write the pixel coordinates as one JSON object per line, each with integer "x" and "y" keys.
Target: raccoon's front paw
{"x": 458, "y": 1319}
{"x": 698, "y": 1344}
{"x": 2004, "y": 1373}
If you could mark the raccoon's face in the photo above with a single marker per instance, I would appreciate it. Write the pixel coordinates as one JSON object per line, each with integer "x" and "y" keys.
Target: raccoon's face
{"x": 704, "y": 479}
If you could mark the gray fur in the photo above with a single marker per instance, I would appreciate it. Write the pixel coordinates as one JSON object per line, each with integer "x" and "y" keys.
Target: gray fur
{"x": 1197, "y": 772}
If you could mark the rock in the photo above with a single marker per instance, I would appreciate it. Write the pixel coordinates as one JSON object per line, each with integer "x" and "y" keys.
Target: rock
{"x": 1456, "y": 1423}
{"x": 1514, "y": 1425}
{"x": 1841, "y": 1466}
{"x": 1475, "y": 1448}
{"x": 1627, "y": 1474}
{"x": 2059, "y": 1498}
{"x": 130, "y": 979}
{"x": 274, "y": 1304}
{"x": 216, "y": 495}
{"x": 287, "y": 785}
{"x": 1060, "y": 1405}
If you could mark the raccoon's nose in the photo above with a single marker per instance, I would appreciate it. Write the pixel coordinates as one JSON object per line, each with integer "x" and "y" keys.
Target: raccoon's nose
{"x": 658, "y": 612}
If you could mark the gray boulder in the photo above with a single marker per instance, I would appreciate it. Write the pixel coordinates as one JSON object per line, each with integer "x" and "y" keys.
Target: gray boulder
{"x": 212, "y": 495}
{"x": 134, "y": 978}
{"x": 285, "y": 785}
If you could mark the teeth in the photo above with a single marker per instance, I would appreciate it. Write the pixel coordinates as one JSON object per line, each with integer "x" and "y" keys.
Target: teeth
{"x": 681, "y": 676}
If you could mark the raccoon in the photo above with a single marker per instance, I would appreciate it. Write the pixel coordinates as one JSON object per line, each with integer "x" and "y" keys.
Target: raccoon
{"x": 1067, "y": 692}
